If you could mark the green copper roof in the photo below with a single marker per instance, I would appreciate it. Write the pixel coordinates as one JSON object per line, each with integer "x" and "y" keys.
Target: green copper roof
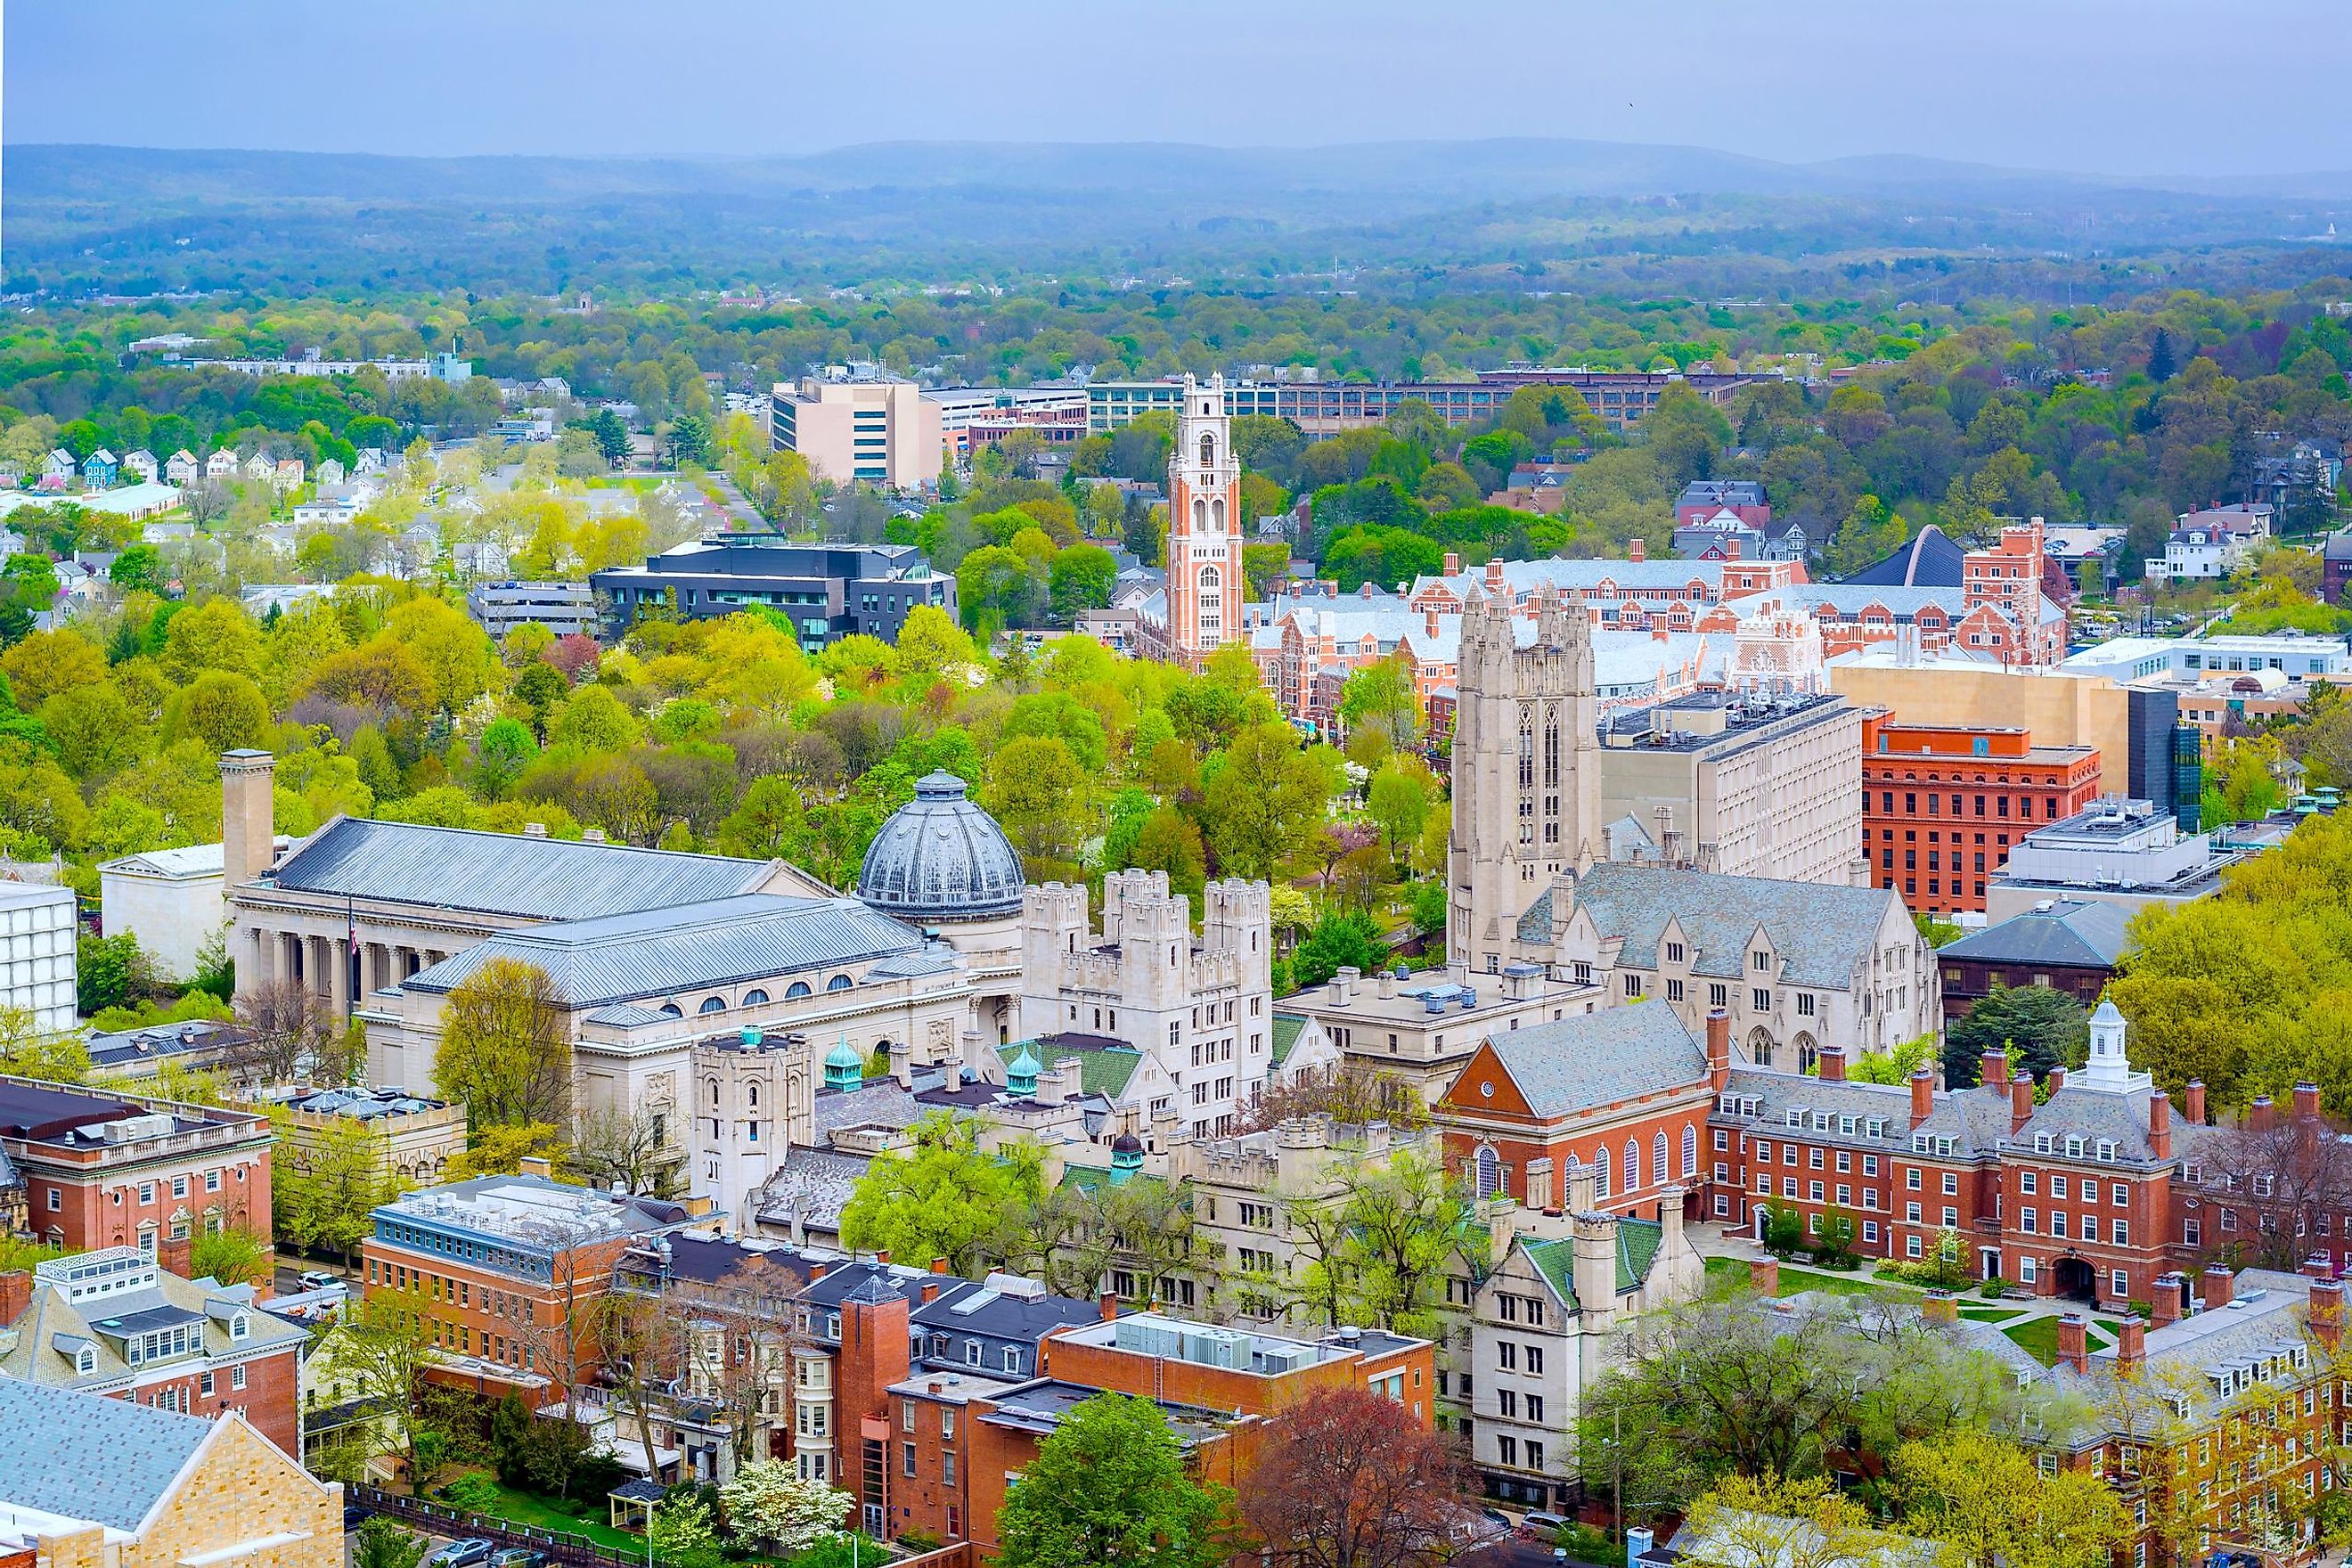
{"x": 1287, "y": 1027}
{"x": 843, "y": 1054}
{"x": 1637, "y": 1249}
{"x": 1102, "y": 1069}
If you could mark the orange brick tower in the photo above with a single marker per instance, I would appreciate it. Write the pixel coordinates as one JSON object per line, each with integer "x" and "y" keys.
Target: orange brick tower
{"x": 1205, "y": 528}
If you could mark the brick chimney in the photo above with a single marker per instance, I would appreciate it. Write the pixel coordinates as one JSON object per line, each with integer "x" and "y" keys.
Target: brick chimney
{"x": 1994, "y": 1068}
{"x": 931, "y": 1289}
{"x": 249, "y": 844}
{"x": 15, "y": 1294}
{"x": 1833, "y": 1064}
{"x": 939, "y": 1266}
{"x": 2218, "y": 1285}
{"x": 1639, "y": 550}
{"x": 816, "y": 1272}
{"x": 2166, "y": 1294}
{"x": 1923, "y": 1096}
{"x": 2073, "y": 1342}
{"x": 2326, "y": 1314}
{"x": 2307, "y": 1102}
{"x": 2159, "y": 1124}
{"x": 1453, "y": 563}
{"x": 1764, "y": 1276}
{"x": 1940, "y": 1307}
{"x": 2056, "y": 1079}
{"x": 1109, "y": 1305}
{"x": 2260, "y": 1114}
{"x": 2193, "y": 1107}
{"x": 2020, "y": 1103}
{"x": 537, "y": 1165}
{"x": 173, "y": 1253}
{"x": 2131, "y": 1344}
{"x": 2319, "y": 1265}
{"x": 1719, "y": 1049}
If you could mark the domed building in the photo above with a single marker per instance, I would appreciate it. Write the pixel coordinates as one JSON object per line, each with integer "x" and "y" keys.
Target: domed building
{"x": 942, "y": 863}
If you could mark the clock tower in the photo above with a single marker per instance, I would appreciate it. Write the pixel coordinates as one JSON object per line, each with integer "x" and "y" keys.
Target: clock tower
{"x": 1205, "y": 528}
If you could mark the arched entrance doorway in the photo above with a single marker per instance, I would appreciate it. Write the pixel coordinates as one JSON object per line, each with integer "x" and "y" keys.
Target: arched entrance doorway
{"x": 2075, "y": 1279}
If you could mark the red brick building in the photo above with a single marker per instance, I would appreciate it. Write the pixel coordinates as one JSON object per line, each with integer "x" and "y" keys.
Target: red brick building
{"x": 116, "y": 1321}
{"x": 106, "y": 1170}
{"x": 1942, "y": 805}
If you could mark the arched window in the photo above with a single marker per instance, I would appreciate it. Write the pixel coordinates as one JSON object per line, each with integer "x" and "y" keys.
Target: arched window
{"x": 1658, "y": 1158}
{"x": 755, "y": 997}
{"x": 751, "y": 1096}
{"x": 1488, "y": 1167}
{"x": 712, "y": 1004}
{"x": 1690, "y": 1153}
{"x": 1217, "y": 514}
{"x": 1633, "y": 1166}
{"x": 838, "y": 983}
{"x": 1601, "y": 1174}
{"x": 1208, "y": 450}
{"x": 714, "y": 1093}
{"x": 1200, "y": 514}
{"x": 797, "y": 989}
{"x": 671, "y": 1010}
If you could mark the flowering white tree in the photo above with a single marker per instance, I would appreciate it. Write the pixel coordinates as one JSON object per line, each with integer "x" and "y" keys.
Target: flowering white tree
{"x": 767, "y": 1502}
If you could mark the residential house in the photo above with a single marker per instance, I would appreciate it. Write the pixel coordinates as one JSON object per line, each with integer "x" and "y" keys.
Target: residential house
{"x": 182, "y": 467}
{"x": 119, "y": 1322}
{"x": 221, "y": 465}
{"x": 59, "y": 465}
{"x": 140, "y": 465}
{"x": 101, "y": 469}
{"x": 90, "y": 1482}
{"x": 286, "y": 475}
{"x": 259, "y": 468}
{"x": 331, "y": 471}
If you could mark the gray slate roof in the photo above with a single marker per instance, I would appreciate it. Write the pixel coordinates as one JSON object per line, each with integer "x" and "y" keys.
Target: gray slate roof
{"x": 811, "y": 1185}
{"x": 505, "y": 873}
{"x": 2092, "y": 1114}
{"x": 1820, "y": 933}
{"x": 85, "y": 1456}
{"x": 1975, "y": 1119}
{"x": 1599, "y": 1058}
{"x": 2077, "y": 932}
{"x": 667, "y": 952}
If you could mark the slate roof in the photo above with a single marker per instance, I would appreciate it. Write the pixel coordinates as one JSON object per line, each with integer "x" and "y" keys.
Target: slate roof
{"x": 1599, "y": 1058}
{"x": 665, "y": 951}
{"x": 2080, "y": 933}
{"x": 2264, "y": 1321}
{"x": 941, "y": 857}
{"x": 1638, "y": 1241}
{"x": 2078, "y": 1111}
{"x": 1820, "y": 933}
{"x": 1106, "y": 1067}
{"x": 85, "y": 1456}
{"x": 1930, "y": 560}
{"x": 811, "y": 1186}
{"x": 1975, "y": 1119}
{"x": 986, "y": 1312}
{"x": 505, "y": 873}
{"x": 1287, "y": 1027}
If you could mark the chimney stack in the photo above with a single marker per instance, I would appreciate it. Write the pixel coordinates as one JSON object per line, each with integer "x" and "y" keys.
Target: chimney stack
{"x": 1833, "y": 1064}
{"x": 2259, "y": 1114}
{"x": 2020, "y": 1103}
{"x": 2159, "y": 1124}
{"x": 2219, "y": 1285}
{"x": 15, "y": 1295}
{"x": 2165, "y": 1296}
{"x": 1993, "y": 1069}
{"x": 1940, "y": 1307}
{"x": 248, "y": 835}
{"x": 1453, "y": 563}
{"x": 1719, "y": 1049}
{"x": 2319, "y": 1265}
{"x": 2073, "y": 1343}
{"x": 2131, "y": 1345}
{"x": 2307, "y": 1102}
{"x": 2056, "y": 1079}
{"x": 1109, "y": 1305}
{"x": 1764, "y": 1276}
{"x": 931, "y": 1287}
{"x": 173, "y": 1253}
{"x": 2193, "y": 1108}
{"x": 1639, "y": 550}
{"x": 536, "y": 1165}
{"x": 1923, "y": 1096}
{"x": 2326, "y": 1314}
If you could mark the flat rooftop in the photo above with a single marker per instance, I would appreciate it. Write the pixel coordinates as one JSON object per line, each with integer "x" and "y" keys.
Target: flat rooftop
{"x": 533, "y": 1210}
{"x": 1426, "y": 996}
{"x": 1702, "y": 721}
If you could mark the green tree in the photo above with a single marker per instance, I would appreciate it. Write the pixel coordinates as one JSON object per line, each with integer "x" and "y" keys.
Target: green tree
{"x": 1379, "y": 696}
{"x": 1265, "y": 795}
{"x": 1988, "y": 1503}
{"x": 944, "y": 1198}
{"x": 1039, "y": 792}
{"x": 222, "y": 710}
{"x": 1080, "y": 578}
{"x": 784, "y": 1513}
{"x": 379, "y": 1542}
{"x": 1109, "y": 1490}
{"x": 2040, "y": 1026}
{"x": 503, "y": 1050}
{"x": 232, "y": 1255}
{"x": 111, "y": 971}
{"x": 1341, "y": 939}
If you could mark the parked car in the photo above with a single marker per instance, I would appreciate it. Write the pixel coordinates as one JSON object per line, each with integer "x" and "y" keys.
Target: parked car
{"x": 461, "y": 1554}
{"x": 518, "y": 1557}
{"x": 1545, "y": 1525}
{"x": 356, "y": 1514}
{"x": 317, "y": 1280}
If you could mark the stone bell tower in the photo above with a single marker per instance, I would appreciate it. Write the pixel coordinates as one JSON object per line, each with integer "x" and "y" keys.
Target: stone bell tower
{"x": 1205, "y": 528}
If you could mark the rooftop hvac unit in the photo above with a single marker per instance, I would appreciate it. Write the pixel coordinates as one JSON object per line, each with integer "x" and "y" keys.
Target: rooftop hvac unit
{"x": 1145, "y": 1335}
{"x": 1214, "y": 1347}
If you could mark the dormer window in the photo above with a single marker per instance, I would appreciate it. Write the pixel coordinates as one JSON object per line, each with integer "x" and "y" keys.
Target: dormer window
{"x": 239, "y": 1326}
{"x": 2074, "y": 1147}
{"x": 2041, "y": 1142}
{"x": 85, "y": 1360}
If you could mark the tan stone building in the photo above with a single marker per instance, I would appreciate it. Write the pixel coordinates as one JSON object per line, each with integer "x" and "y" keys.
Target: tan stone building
{"x": 1423, "y": 1028}
{"x": 883, "y": 432}
{"x": 414, "y": 1139}
{"x": 92, "y": 1482}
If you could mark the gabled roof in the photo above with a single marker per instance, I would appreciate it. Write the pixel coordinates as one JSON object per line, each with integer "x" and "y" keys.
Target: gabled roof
{"x": 1106, "y": 1067}
{"x": 85, "y": 1456}
{"x": 1287, "y": 1027}
{"x": 505, "y": 873}
{"x": 1820, "y": 932}
{"x": 1599, "y": 1058}
{"x": 646, "y": 953}
{"x": 1638, "y": 1241}
{"x": 2084, "y": 934}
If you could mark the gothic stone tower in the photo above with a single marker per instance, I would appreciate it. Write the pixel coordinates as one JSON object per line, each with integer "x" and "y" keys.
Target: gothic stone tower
{"x": 1527, "y": 771}
{"x": 1205, "y": 528}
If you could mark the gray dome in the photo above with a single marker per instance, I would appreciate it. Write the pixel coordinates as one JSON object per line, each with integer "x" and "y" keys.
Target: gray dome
{"x": 940, "y": 857}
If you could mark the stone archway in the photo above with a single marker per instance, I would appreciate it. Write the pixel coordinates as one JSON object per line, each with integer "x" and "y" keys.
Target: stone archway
{"x": 2074, "y": 1279}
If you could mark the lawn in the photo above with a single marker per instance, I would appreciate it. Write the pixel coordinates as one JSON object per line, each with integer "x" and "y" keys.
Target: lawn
{"x": 1795, "y": 1277}
{"x": 547, "y": 1513}
{"x": 1988, "y": 1314}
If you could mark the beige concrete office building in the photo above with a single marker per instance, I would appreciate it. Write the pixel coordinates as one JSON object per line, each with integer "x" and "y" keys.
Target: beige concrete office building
{"x": 881, "y": 432}
{"x": 2057, "y": 708}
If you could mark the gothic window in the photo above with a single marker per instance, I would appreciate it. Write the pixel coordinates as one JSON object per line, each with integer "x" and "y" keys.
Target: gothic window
{"x": 1633, "y": 1166}
{"x": 1526, "y": 752}
{"x": 1552, "y": 752}
{"x": 1658, "y": 1158}
{"x": 1489, "y": 1169}
{"x": 1601, "y": 1174}
{"x": 1690, "y": 1153}
{"x": 1208, "y": 450}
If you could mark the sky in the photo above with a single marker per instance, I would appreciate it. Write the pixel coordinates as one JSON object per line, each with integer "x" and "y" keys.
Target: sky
{"x": 2141, "y": 87}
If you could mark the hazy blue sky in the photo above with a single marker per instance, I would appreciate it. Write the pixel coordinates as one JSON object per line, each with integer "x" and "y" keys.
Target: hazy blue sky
{"x": 2128, "y": 86}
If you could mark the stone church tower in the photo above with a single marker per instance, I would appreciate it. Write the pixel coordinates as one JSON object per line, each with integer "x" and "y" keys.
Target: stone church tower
{"x": 1205, "y": 528}
{"x": 1526, "y": 772}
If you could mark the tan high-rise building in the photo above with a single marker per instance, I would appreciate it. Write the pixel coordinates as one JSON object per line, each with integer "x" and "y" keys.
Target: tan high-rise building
{"x": 881, "y": 432}
{"x": 1527, "y": 771}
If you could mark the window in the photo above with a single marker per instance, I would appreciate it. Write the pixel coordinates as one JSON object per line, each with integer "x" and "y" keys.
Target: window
{"x": 57, "y": 1200}
{"x": 1011, "y": 1360}
{"x": 907, "y": 1457}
